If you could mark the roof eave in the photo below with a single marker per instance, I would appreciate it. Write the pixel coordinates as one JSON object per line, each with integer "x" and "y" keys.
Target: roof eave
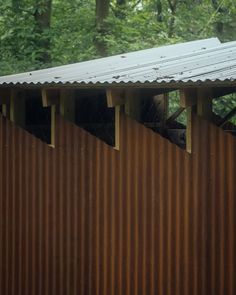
{"x": 79, "y": 85}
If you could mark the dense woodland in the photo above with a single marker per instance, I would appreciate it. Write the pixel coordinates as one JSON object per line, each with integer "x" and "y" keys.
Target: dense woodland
{"x": 43, "y": 33}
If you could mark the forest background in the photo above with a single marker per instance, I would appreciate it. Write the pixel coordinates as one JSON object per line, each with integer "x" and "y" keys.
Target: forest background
{"x": 36, "y": 34}
{"x": 43, "y": 33}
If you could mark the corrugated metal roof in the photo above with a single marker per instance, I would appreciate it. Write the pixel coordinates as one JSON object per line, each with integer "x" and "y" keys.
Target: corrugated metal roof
{"x": 196, "y": 61}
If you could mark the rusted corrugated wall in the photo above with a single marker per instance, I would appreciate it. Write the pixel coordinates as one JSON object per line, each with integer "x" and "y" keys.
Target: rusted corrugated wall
{"x": 86, "y": 219}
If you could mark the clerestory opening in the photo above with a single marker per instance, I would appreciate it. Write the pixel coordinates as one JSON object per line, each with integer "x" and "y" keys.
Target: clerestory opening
{"x": 93, "y": 115}
{"x": 24, "y": 107}
{"x": 37, "y": 117}
{"x": 176, "y": 120}
{"x": 161, "y": 112}
{"x": 224, "y": 112}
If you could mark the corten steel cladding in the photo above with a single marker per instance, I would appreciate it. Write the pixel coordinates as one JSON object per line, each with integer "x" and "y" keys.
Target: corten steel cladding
{"x": 83, "y": 218}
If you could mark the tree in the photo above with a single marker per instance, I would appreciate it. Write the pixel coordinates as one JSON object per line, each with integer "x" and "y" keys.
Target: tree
{"x": 102, "y": 12}
{"x": 120, "y": 7}
{"x": 173, "y": 8}
{"x": 42, "y": 16}
{"x": 39, "y": 33}
{"x": 159, "y": 10}
{"x": 16, "y": 5}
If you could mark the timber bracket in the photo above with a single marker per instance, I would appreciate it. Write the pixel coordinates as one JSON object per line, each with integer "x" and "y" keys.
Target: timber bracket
{"x": 188, "y": 101}
{"x": 51, "y": 98}
{"x": 115, "y": 99}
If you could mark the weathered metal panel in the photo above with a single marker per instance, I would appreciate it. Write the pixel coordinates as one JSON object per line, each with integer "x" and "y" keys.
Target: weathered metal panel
{"x": 83, "y": 218}
{"x": 200, "y": 60}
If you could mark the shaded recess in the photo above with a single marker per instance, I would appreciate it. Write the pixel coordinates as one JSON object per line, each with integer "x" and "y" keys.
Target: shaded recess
{"x": 93, "y": 115}
{"x": 162, "y": 113}
{"x": 224, "y": 112}
{"x": 37, "y": 117}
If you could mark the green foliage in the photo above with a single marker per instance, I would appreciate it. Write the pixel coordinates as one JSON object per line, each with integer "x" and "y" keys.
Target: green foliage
{"x": 73, "y": 31}
{"x": 17, "y": 50}
{"x": 224, "y": 105}
{"x": 131, "y": 25}
{"x": 174, "y": 104}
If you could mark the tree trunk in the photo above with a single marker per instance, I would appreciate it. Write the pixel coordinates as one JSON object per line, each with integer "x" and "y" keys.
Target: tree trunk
{"x": 219, "y": 26}
{"x": 102, "y": 12}
{"x": 42, "y": 16}
{"x": 120, "y": 8}
{"x": 15, "y": 5}
{"x": 159, "y": 11}
{"x": 173, "y": 7}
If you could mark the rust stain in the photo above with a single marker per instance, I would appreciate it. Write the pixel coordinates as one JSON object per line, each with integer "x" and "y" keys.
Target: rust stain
{"x": 83, "y": 218}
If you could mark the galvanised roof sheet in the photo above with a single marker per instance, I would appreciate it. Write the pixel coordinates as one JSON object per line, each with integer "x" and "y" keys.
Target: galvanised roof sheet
{"x": 195, "y": 61}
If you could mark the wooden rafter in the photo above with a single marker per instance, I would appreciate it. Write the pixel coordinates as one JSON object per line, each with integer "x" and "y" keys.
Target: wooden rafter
{"x": 162, "y": 104}
{"x": 5, "y": 96}
{"x": 204, "y": 103}
{"x": 51, "y": 97}
{"x": 115, "y": 97}
{"x": 175, "y": 115}
{"x": 67, "y": 104}
{"x": 228, "y": 117}
{"x": 13, "y": 105}
{"x": 117, "y": 126}
{"x": 222, "y": 91}
{"x": 188, "y": 99}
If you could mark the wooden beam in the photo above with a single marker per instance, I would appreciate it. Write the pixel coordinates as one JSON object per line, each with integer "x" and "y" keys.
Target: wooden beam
{"x": 6, "y": 110}
{"x": 189, "y": 130}
{"x": 150, "y": 92}
{"x": 5, "y": 97}
{"x": 67, "y": 104}
{"x": 117, "y": 127}
{"x": 53, "y": 125}
{"x": 227, "y": 117}
{"x": 175, "y": 115}
{"x": 204, "y": 103}
{"x": 87, "y": 92}
{"x": 222, "y": 91}
{"x": 188, "y": 97}
{"x": 188, "y": 100}
{"x": 115, "y": 97}
{"x": 133, "y": 103}
{"x": 161, "y": 102}
{"x": 50, "y": 97}
{"x": 13, "y": 105}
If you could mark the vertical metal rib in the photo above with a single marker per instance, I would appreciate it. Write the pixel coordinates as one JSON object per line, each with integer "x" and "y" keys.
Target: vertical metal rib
{"x": 149, "y": 218}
